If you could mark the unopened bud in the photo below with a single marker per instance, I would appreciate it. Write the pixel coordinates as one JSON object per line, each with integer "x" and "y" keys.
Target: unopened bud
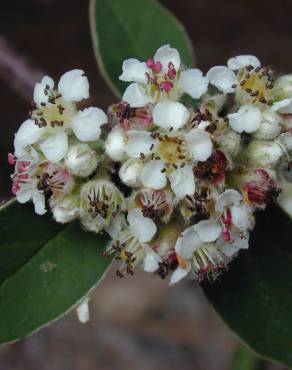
{"x": 81, "y": 160}
{"x": 270, "y": 127}
{"x": 283, "y": 87}
{"x": 264, "y": 153}
{"x": 130, "y": 172}
{"x": 67, "y": 209}
{"x": 115, "y": 144}
{"x": 229, "y": 142}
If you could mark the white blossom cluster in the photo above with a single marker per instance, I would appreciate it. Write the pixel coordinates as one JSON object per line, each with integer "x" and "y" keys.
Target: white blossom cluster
{"x": 173, "y": 173}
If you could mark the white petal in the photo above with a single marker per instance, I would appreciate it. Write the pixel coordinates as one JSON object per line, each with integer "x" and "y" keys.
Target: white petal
{"x": 283, "y": 106}
{"x": 130, "y": 172}
{"x": 170, "y": 114}
{"x": 134, "y": 70}
{"x": 66, "y": 210}
{"x": 182, "y": 181}
{"x": 39, "y": 95}
{"x": 86, "y": 124}
{"x": 74, "y": 86}
{"x": 136, "y": 97}
{"x": 208, "y": 230}
{"x": 152, "y": 177}
{"x": 139, "y": 142}
{"x": 151, "y": 260}
{"x": 116, "y": 225}
{"x": 165, "y": 55}
{"x": 223, "y": 78}
{"x": 179, "y": 273}
{"x": 226, "y": 199}
{"x": 247, "y": 119}
{"x": 39, "y": 203}
{"x": 193, "y": 82}
{"x": 242, "y": 61}
{"x": 143, "y": 228}
{"x": 115, "y": 145}
{"x": 82, "y": 311}
{"x": 199, "y": 144}
{"x": 24, "y": 193}
{"x": 241, "y": 216}
{"x": 188, "y": 243}
{"x": 28, "y": 133}
{"x": 55, "y": 147}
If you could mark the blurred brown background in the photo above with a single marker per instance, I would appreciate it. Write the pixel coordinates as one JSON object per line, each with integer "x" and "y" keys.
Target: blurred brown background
{"x": 137, "y": 323}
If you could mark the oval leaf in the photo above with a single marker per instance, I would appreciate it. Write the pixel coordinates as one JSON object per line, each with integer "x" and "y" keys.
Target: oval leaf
{"x": 255, "y": 297}
{"x": 46, "y": 269}
{"x": 133, "y": 29}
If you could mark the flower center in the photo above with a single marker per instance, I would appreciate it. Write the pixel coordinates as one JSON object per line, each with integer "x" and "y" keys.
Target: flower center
{"x": 55, "y": 113}
{"x": 255, "y": 84}
{"x": 159, "y": 81}
{"x": 172, "y": 150}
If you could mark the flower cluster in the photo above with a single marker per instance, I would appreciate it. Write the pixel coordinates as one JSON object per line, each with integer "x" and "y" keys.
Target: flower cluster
{"x": 173, "y": 173}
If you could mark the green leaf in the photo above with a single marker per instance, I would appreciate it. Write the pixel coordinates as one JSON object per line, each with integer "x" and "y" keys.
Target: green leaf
{"x": 46, "y": 269}
{"x": 245, "y": 359}
{"x": 133, "y": 29}
{"x": 255, "y": 297}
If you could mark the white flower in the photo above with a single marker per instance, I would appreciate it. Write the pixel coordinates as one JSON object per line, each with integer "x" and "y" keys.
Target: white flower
{"x": 81, "y": 160}
{"x": 193, "y": 251}
{"x": 225, "y": 79}
{"x": 35, "y": 180}
{"x": 55, "y": 116}
{"x": 236, "y": 216}
{"x": 131, "y": 244}
{"x": 155, "y": 157}
{"x": 161, "y": 78}
{"x": 100, "y": 202}
{"x": 244, "y": 76}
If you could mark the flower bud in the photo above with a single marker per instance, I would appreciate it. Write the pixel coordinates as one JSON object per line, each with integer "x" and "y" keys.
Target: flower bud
{"x": 259, "y": 187}
{"x": 115, "y": 144}
{"x": 283, "y": 87}
{"x": 81, "y": 160}
{"x": 229, "y": 142}
{"x": 270, "y": 127}
{"x": 100, "y": 202}
{"x": 130, "y": 172}
{"x": 67, "y": 209}
{"x": 264, "y": 153}
{"x": 286, "y": 140}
